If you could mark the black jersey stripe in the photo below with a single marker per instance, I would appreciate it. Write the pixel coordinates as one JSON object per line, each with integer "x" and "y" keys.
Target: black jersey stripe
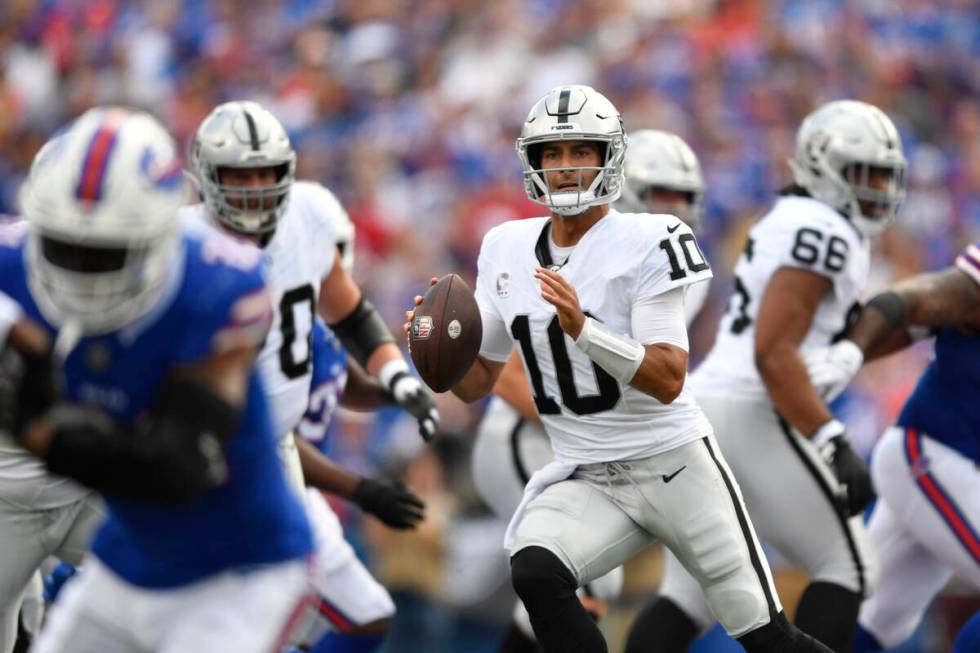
{"x": 515, "y": 451}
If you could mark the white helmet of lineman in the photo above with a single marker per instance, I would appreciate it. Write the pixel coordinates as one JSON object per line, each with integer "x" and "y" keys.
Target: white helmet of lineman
{"x": 573, "y": 113}
{"x": 101, "y": 202}
{"x": 658, "y": 160}
{"x": 243, "y": 134}
{"x": 840, "y": 149}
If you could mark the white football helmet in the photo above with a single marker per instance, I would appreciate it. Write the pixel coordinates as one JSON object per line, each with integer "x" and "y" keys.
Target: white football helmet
{"x": 101, "y": 201}
{"x": 243, "y": 135}
{"x": 838, "y": 146}
{"x": 573, "y": 113}
{"x": 661, "y": 160}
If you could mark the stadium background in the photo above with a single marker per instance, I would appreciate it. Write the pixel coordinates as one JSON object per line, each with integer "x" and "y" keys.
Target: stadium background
{"x": 408, "y": 110}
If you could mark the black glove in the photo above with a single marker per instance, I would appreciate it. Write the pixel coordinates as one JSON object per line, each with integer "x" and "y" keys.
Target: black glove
{"x": 28, "y": 387}
{"x": 389, "y": 501}
{"x": 852, "y": 472}
{"x": 408, "y": 392}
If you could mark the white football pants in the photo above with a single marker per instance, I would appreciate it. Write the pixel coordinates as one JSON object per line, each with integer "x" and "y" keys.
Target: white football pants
{"x": 508, "y": 449}
{"x": 925, "y": 528}
{"x": 790, "y": 492}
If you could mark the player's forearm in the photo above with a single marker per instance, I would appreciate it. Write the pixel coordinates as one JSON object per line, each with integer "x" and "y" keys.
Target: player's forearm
{"x": 522, "y": 402}
{"x": 662, "y": 372}
{"x": 324, "y": 474}
{"x": 512, "y": 387}
{"x": 479, "y": 380}
{"x": 785, "y": 377}
{"x": 363, "y": 391}
{"x": 945, "y": 298}
{"x": 385, "y": 353}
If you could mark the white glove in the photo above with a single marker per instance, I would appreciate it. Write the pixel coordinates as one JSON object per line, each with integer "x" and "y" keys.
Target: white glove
{"x": 408, "y": 392}
{"x": 832, "y": 368}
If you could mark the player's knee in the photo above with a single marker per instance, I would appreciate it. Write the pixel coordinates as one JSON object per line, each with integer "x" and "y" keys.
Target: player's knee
{"x": 780, "y": 636}
{"x": 538, "y": 575}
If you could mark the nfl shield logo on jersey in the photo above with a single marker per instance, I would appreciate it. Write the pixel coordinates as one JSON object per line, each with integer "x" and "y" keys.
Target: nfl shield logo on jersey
{"x": 422, "y": 327}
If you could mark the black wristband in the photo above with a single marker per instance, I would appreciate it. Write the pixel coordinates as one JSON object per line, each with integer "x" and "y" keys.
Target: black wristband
{"x": 891, "y": 305}
{"x": 362, "y": 331}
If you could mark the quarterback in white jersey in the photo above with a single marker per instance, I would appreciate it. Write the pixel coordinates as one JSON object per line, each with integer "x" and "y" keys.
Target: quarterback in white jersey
{"x": 797, "y": 286}
{"x": 243, "y": 162}
{"x": 594, "y": 300}
{"x": 662, "y": 176}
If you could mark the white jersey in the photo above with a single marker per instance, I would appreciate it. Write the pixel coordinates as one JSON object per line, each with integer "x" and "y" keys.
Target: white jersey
{"x": 625, "y": 258}
{"x": 299, "y": 257}
{"x": 798, "y": 232}
{"x": 696, "y": 296}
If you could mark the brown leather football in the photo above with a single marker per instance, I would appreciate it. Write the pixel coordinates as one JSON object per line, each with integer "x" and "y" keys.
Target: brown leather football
{"x": 446, "y": 333}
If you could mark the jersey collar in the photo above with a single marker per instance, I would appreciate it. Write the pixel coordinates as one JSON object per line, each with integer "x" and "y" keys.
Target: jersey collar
{"x": 543, "y": 252}
{"x": 541, "y": 249}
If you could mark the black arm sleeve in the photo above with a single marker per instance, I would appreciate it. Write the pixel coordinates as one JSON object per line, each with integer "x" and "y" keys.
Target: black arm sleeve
{"x": 362, "y": 331}
{"x": 170, "y": 456}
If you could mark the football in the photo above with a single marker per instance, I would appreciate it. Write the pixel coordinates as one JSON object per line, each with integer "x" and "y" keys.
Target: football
{"x": 446, "y": 332}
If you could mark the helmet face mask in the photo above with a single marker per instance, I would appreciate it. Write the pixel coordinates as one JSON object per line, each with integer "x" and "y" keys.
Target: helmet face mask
{"x": 849, "y": 156}
{"x": 101, "y": 203}
{"x": 877, "y": 189}
{"x": 94, "y": 285}
{"x": 662, "y": 176}
{"x": 245, "y": 166}
{"x": 573, "y": 114}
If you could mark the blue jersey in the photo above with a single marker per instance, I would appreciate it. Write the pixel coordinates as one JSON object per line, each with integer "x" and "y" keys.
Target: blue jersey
{"x": 214, "y": 298}
{"x": 327, "y": 385}
{"x": 944, "y": 404}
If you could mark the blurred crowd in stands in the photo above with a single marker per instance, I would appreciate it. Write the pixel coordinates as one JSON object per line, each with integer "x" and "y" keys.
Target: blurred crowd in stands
{"x": 408, "y": 110}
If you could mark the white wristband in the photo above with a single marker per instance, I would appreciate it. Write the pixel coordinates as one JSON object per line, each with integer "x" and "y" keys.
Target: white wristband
{"x": 827, "y": 432}
{"x": 619, "y": 355}
{"x": 390, "y": 369}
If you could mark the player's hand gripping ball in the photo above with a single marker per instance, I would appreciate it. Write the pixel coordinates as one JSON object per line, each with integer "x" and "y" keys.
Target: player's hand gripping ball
{"x": 445, "y": 332}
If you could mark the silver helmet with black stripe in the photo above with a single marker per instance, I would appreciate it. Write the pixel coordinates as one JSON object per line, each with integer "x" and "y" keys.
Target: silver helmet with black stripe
{"x": 660, "y": 164}
{"x": 243, "y": 136}
{"x": 573, "y": 113}
{"x": 849, "y": 156}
